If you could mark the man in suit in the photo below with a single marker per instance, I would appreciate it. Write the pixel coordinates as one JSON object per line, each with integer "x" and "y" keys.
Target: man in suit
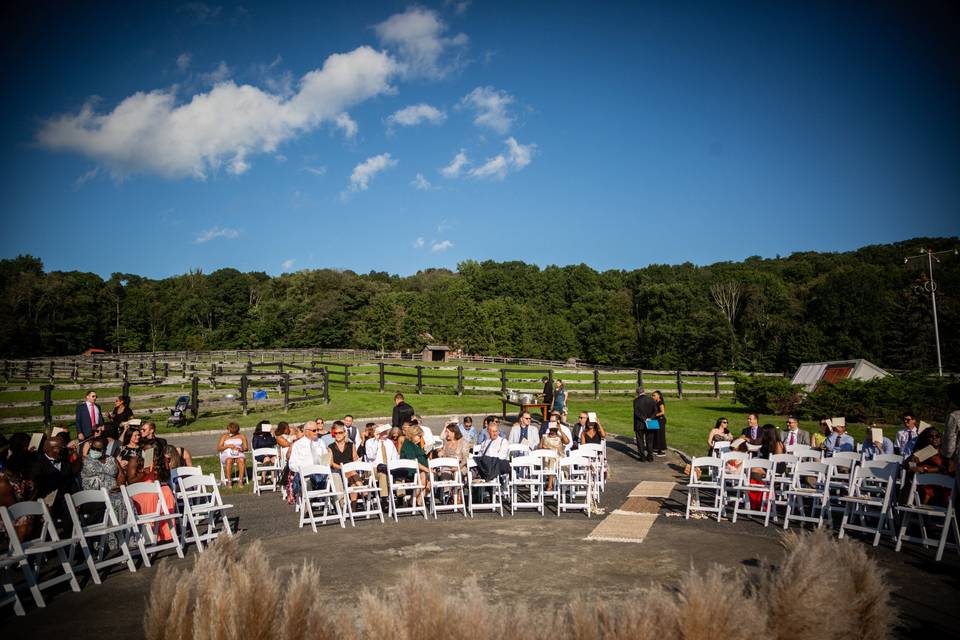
{"x": 793, "y": 434}
{"x": 644, "y": 408}
{"x": 52, "y": 473}
{"x": 547, "y": 392}
{"x": 752, "y": 431}
{"x": 401, "y": 411}
{"x": 525, "y": 433}
{"x": 88, "y": 415}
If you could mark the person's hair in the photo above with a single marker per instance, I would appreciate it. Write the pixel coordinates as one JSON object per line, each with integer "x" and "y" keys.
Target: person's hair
{"x": 793, "y": 417}
{"x": 467, "y": 420}
{"x": 925, "y": 438}
{"x": 407, "y": 423}
{"x": 397, "y": 429}
{"x": 488, "y": 420}
{"x": 416, "y": 432}
{"x": 544, "y": 379}
{"x": 20, "y": 441}
{"x": 398, "y": 396}
{"x": 348, "y": 416}
{"x": 149, "y": 423}
{"x": 454, "y": 429}
{"x": 658, "y": 394}
{"x": 233, "y": 426}
{"x": 754, "y": 416}
{"x": 369, "y": 429}
{"x": 336, "y": 423}
{"x": 592, "y": 425}
{"x": 908, "y": 414}
{"x": 102, "y": 441}
{"x": 89, "y": 392}
{"x": 719, "y": 421}
{"x": 128, "y": 436}
{"x": 415, "y": 421}
{"x": 282, "y": 429}
{"x": 525, "y": 413}
{"x": 640, "y": 390}
{"x": 768, "y": 438}
{"x": 174, "y": 453}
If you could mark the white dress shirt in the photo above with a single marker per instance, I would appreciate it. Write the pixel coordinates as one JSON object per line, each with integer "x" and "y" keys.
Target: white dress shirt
{"x": 499, "y": 448}
{"x": 389, "y": 448}
{"x": 305, "y": 452}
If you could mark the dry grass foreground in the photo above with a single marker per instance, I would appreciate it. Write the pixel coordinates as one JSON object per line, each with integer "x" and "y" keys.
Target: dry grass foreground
{"x": 824, "y": 588}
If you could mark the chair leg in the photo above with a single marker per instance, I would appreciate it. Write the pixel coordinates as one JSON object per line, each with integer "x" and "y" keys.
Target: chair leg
{"x": 88, "y": 559}
{"x": 68, "y": 569}
{"x": 31, "y": 579}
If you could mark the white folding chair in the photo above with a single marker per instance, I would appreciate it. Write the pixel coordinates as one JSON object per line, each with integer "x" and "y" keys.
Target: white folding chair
{"x": 322, "y": 503}
{"x": 94, "y": 519}
{"x": 414, "y": 485}
{"x": 842, "y": 465}
{"x": 871, "y": 496}
{"x": 367, "y": 492}
{"x": 30, "y": 555}
{"x": 202, "y": 509}
{"x": 575, "y": 482}
{"x": 148, "y": 524}
{"x": 731, "y": 460}
{"x": 599, "y": 463}
{"x": 720, "y": 447}
{"x": 181, "y": 472}
{"x": 514, "y": 450}
{"x": 478, "y": 487}
{"x": 750, "y": 482}
{"x": 548, "y": 470}
{"x": 804, "y": 452}
{"x": 235, "y": 471}
{"x": 270, "y": 471}
{"x": 439, "y": 487}
{"x": 697, "y": 483}
{"x": 9, "y": 594}
{"x": 526, "y": 484}
{"x": 811, "y": 483}
{"x": 783, "y": 464}
{"x": 915, "y": 509}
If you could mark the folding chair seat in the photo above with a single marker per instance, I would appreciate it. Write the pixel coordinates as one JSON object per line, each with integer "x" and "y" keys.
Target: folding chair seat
{"x": 367, "y": 492}
{"x": 270, "y": 471}
{"x": 697, "y": 483}
{"x": 478, "y": 487}
{"x": 871, "y": 497}
{"x": 202, "y": 509}
{"x": 30, "y": 555}
{"x": 152, "y": 520}
{"x": 322, "y": 503}
{"x": 96, "y": 527}
{"x": 747, "y": 483}
{"x": 811, "y": 483}
{"x": 438, "y": 486}
{"x": 548, "y": 469}
{"x": 526, "y": 484}
{"x": 414, "y": 485}
{"x": 914, "y": 509}
{"x": 575, "y": 484}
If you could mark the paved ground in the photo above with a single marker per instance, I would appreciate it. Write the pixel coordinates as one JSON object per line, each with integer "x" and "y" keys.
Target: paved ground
{"x": 542, "y": 559}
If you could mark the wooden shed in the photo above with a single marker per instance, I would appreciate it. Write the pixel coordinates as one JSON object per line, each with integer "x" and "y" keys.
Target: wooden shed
{"x": 435, "y": 353}
{"x": 810, "y": 374}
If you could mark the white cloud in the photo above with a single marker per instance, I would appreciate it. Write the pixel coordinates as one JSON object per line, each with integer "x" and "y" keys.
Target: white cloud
{"x": 491, "y": 107}
{"x": 421, "y": 183}
{"x": 217, "y": 76}
{"x": 518, "y": 156}
{"x": 183, "y": 61}
{"x": 415, "y": 114}
{"x": 440, "y": 245}
{"x": 287, "y": 265}
{"x": 417, "y": 34}
{"x": 418, "y": 243}
{"x": 347, "y": 124}
{"x": 86, "y": 177}
{"x": 364, "y": 172}
{"x": 150, "y": 132}
{"x": 216, "y": 232}
{"x": 458, "y": 7}
{"x": 317, "y": 171}
{"x": 456, "y": 165}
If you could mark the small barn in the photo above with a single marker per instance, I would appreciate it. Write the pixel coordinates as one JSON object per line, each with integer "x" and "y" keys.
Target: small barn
{"x": 435, "y": 353}
{"x": 810, "y": 374}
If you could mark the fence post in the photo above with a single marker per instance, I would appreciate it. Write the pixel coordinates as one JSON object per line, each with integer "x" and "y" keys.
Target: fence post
{"x": 166, "y": 369}
{"x": 419, "y": 378}
{"x": 326, "y": 385}
{"x": 29, "y": 366}
{"x": 382, "y": 381}
{"x": 100, "y": 371}
{"x": 503, "y": 381}
{"x": 47, "y": 405}
{"x": 249, "y": 367}
{"x": 153, "y": 367}
{"x": 346, "y": 377}
{"x": 640, "y": 378}
{"x": 286, "y": 392}
{"x": 195, "y": 396}
{"x": 460, "y": 380}
{"x": 596, "y": 384}
{"x": 716, "y": 384}
{"x": 123, "y": 374}
{"x": 140, "y": 368}
{"x": 679, "y": 385}
{"x": 244, "y": 383}
{"x": 125, "y": 388}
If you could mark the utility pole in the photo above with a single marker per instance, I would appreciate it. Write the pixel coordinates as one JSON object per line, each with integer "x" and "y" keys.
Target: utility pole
{"x": 931, "y": 286}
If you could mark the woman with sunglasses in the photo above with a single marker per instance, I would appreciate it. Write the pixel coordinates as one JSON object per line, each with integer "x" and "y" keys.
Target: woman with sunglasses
{"x": 343, "y": 451}
{"x": 101, "y": 471}
{"x": 719, "y": 433}
{"x": 820, "y": 437}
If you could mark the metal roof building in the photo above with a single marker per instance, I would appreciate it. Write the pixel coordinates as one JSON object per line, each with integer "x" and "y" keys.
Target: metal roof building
{"x": 810, "y": 374}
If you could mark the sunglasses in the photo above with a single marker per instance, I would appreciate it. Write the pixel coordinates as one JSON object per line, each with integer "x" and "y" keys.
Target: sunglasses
{"x": 339, "y": 433}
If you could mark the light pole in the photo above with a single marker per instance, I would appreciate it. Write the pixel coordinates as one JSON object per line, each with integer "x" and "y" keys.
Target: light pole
{"x": 931, "y": 286}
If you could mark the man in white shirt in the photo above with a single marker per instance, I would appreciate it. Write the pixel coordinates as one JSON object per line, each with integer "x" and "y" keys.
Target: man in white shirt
{"x": 306, "y": 451}
{"x": 523, "y": 432}
{"x": 907, "y": 437}
{"x": 384, "y": 452}
{"x": 495, "y": 454}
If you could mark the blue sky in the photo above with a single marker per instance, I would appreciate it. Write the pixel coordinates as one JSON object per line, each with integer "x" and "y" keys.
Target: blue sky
{"x": 397, "y": 137}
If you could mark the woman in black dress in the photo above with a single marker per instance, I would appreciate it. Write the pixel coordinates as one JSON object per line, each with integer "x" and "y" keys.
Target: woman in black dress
{"x": 342, "y": 451}
{"x": 660, "y": 444}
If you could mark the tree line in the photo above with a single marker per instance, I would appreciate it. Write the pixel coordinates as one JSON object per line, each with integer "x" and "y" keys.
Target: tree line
{"x": 758, "y": 314}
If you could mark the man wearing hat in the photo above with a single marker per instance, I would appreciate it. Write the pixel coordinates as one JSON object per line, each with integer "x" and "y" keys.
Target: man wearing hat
{"x": 384, "y": 452}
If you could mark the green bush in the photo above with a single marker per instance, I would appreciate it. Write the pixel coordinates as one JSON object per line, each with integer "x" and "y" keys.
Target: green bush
{"x": 763, "y": 394}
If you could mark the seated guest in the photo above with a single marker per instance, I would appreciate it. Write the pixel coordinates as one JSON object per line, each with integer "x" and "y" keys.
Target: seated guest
{"x": 455, "y": 445}
{"x": 118, "y": 418}
{"x": 874, "y": 448}
{"x": 263, "y": 440}
{"x": 839, "y": 440}
{"x": 411, "y": 448}
{"x": 732, "y": 467}
{"x": 308, "y": 450}
{"x": 592, "y": 433}
{"x": 325, "y": 436}
{"x": 113, "y": 447}
{"x": 751, "y": 433}
{"x": 933, "y": 464}
{"x": 148, "y": 436}
{"x": 231, "y": 447}
{"x": 494, "y": 457}
{"x": 553, "y": 440}
{"x": 384, "y": 453}
{"x": 16, "y": 486}
{"x": 102, "y": 471}
{"x": 131, "y": 444}
{"x": 824, "y": 432}
{"x": 468, "y": 431}
{"x": 176, "y": 457}
{"x": 53, "y": 472}
{"x": 484, "y": 434}
{"x": 139, "y": 471}
{"x": 719, "y": 433}
{"x": 368, "y": 438}
{"x": 793, "y": 434}
{"x": 343, "y": 451}
{"x": 353, "y": 433}
{"x": 907, "y": 437}
{"x": 579, "y": 427}
{"x": 524, "y": 433}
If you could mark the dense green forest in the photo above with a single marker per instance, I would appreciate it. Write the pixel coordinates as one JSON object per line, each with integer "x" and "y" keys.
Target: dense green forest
{"x": 759, "y": 314}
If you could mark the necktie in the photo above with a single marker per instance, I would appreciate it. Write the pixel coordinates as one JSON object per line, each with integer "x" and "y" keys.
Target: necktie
{"x": 383, "y": 453}
{"x": 793, "y": 438}
{"x": 93, "y": 417}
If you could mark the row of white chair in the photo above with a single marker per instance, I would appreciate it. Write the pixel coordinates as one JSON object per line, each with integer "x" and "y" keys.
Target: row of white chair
{"x": 199, "y": 517}
{"x": 813, "y": 490}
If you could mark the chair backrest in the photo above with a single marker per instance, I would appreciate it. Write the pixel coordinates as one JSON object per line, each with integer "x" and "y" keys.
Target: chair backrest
{"x": 137, "y": 488}
{"x": 844, "y": 458}
{"x": 740, "y": 456}
{"x": 181, "y": 472}
{"x": 808, "y": 469}
{"x": 37, "y": 508}
{"x": 402, "y": 464}
{"x": 591, "y": 446}
{"x": 525, "y": 462}
{"x": 197, "y": 484}
{"x": 721, "y": 445}
{"x": 443, "y": 463}
{"x": 518, "y": 449}
{"x": 264, "y": 451}
{"x": 544, "y": 453}
{"x": 802, "y": 449}
{"x": 888, "y": 457}
{"x": 357, "y": 466}
{"x": 935, "y": 480}
{"x": 878, "y": 469}
{"x": 314, "y": 470}
{"x": 784, "y": 458}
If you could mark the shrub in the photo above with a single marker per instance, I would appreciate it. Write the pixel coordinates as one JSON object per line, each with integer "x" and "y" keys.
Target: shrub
{"x": 881, "y": 400}
{"x": 210, "y": 602}
{"x": 763, "y": 394}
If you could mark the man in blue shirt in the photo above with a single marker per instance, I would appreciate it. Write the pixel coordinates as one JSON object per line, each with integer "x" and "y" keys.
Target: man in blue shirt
{"x": 840, "y": 440}
{"x": 873, "y": 449}
{"x": 467, "y": 430}
{"x": 483, "y": 436}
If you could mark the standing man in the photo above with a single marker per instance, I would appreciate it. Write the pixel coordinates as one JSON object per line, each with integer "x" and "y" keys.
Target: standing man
{"x": 88, "y": 415}
{"x": 402, "y": 412}
{"x": 353, "y": 433}
{"x": 793, "y": 434}
{"x": 644, "y": 408}
{"x": 547, "y": 393}
{"x": 752, "y": 431}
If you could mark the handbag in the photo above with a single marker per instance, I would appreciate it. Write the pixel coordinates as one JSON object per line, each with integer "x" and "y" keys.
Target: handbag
{"x": 652, "y": 423}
